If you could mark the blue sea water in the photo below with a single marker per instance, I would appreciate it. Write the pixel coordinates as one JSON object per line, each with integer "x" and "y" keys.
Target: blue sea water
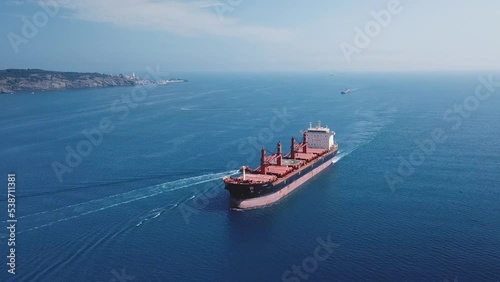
{"x": 146, "y": 203}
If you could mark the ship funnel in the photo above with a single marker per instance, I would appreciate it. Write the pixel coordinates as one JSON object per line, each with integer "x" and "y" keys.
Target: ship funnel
{"x": 280, "y": 154}
{"x": 304, "y": 143}
{"x": 263, "y": 161}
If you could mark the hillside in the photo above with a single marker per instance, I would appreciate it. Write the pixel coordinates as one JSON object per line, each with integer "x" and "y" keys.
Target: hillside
{"x": 13, "y": 80}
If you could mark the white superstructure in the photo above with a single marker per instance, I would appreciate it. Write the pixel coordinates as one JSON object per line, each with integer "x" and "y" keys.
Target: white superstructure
{"x": 320, "y": 137}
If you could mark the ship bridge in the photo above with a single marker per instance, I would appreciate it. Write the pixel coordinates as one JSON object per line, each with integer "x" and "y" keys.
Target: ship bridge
{"x": 320, "y": 137}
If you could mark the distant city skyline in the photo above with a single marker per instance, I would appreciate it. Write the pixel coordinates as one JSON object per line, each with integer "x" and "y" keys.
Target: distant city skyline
{"x": 116, "y": 36}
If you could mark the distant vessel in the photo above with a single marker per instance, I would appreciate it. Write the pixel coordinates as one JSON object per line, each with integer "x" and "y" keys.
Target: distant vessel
{"x": 278, "y": 174}
{"x": 346, "y": 91}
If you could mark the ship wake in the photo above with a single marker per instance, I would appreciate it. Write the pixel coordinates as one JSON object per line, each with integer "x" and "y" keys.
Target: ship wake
{"x": 156, "y": 212}
{"x": 368, "y": 125}
{"x": 48, "y": 218}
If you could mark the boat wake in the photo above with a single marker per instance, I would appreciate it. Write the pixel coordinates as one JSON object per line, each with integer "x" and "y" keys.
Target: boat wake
{"x": 154, "y": 214}
{"x": 48, "y": 218}
{"x": 367, "y": 126}
{"x": 339, "y": 156}
{"x": 158, "y": 211}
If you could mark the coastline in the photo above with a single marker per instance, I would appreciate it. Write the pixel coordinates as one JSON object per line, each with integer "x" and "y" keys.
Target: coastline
{"x": 14, "y": 81}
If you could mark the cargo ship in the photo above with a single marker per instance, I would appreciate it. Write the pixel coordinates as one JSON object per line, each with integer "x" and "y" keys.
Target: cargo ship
{"x": 278, "y": 175}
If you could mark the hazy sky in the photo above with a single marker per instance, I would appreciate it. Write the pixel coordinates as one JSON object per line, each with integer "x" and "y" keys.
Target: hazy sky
{"x": 249, "y": 35}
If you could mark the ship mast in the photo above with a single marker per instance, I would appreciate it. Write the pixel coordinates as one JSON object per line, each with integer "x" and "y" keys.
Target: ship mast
{"x": 263, "y": 161}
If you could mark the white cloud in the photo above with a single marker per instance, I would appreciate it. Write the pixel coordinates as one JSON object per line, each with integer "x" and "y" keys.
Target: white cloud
{"x": 189, "y": 18}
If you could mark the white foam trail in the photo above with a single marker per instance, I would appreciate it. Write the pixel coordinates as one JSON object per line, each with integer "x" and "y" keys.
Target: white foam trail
{"x": 156, "y": 213}
{"x": 339, "y": 156}
{"x": 366, "y": 128}
{"x": 48, "y": 218}
{"x": 149, "y": 217}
